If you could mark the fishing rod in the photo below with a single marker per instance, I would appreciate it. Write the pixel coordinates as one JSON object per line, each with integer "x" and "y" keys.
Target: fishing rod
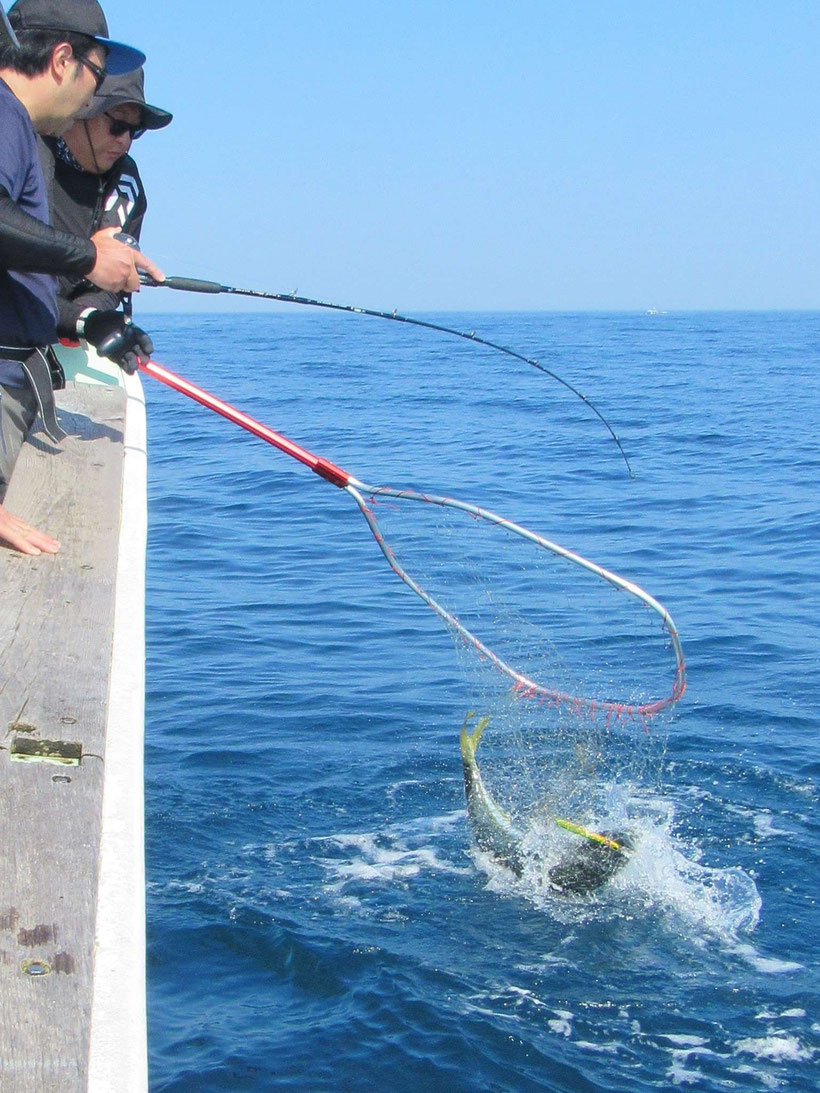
{"x": 358, "y": 490}
{"x": 7, "y": 29}
{"x": 191, "y": 284}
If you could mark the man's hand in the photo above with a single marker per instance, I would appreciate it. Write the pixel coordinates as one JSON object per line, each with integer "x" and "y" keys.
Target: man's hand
{"x": 114, "y": 337}
{"x": 117, "y": 266}
{"x": 24, "y": 537}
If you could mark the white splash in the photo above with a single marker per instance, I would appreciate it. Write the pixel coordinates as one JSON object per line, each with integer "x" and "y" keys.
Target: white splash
{"x": 778, "y": 1047}
{"x": 765, "y": 826}
{"x": 662, "y": 876}
{"x": 768, "y": 965}
{"x": 394, "y": 856}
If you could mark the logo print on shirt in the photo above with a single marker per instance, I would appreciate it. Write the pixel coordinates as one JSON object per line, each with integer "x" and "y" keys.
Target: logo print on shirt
{"x": 123, "y": 198}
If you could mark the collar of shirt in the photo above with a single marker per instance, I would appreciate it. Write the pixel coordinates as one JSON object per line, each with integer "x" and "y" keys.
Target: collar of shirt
{"x": 64, "y": 152}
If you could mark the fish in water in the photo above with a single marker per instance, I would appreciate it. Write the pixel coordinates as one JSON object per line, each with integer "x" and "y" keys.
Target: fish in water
{"x": 591, "y": 863}
{"x": 582, "y": 869}
{"x": 494, "y": 829}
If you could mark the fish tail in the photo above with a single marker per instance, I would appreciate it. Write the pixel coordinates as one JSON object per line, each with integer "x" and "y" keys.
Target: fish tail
{"x": 469, "y": 741}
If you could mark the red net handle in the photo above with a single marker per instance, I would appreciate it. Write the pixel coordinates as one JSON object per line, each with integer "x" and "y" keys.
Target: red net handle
{"x": 323, "y": 467}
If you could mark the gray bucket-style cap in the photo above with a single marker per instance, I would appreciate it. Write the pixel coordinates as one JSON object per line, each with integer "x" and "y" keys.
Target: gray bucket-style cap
{"x": 130, "y": 88}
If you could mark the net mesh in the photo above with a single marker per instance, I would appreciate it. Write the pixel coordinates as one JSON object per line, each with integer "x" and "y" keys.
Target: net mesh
{"x": 563, "y": 633}
{"x": 602, "y": 657}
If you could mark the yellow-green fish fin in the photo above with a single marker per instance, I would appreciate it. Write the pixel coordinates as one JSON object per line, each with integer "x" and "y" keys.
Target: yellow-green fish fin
{"x": 469, "y": 741}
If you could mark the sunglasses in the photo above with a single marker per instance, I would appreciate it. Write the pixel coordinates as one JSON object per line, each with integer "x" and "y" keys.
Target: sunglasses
{"x": 116, "y": 127}
{"x": 98, "y": 73}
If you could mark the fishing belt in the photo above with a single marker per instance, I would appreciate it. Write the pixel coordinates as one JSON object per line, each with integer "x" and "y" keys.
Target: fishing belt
{"x": 45, "y": 375}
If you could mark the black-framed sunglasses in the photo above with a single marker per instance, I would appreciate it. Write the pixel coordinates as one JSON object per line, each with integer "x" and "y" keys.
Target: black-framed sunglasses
{"x": 116, "y": 126}
{"x": 98, "y": 73}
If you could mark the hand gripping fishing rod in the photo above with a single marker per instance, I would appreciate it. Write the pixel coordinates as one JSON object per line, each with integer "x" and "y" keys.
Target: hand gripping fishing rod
{"x": 190, "y": 284}
{"x": 523, "y": 685}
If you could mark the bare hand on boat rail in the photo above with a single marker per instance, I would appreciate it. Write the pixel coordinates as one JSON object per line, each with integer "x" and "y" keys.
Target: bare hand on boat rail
{"x": 23, "y": 537}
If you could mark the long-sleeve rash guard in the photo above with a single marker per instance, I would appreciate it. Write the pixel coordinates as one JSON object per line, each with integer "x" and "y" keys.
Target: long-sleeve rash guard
{"x": 30, "y": 246}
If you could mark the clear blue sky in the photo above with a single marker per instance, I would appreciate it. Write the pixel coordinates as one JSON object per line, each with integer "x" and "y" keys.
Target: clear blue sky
{"x": 576, "y": 154}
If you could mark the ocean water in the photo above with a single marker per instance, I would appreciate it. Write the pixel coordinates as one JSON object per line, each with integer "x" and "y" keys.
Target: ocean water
{"x": 318, "y": 916}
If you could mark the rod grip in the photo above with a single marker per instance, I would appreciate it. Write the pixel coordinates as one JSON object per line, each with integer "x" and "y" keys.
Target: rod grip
{"x": 192, "y": 284}
{"x": 183, "y": 284}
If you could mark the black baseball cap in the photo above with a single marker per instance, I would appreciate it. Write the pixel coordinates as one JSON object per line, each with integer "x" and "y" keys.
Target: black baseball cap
{"x": 77, "y": 17}
{"x": 130, "y": 88}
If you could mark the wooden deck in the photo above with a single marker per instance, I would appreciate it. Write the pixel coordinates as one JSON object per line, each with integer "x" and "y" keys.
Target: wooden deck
{"x": 72, "y": 943}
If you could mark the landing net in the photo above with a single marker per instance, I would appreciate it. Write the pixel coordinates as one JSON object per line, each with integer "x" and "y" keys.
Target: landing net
{"x": 561, "y": 630}
{"x": 533, "y": 611}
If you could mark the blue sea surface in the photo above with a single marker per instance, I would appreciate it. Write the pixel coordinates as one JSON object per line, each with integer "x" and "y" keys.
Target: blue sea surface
{"x": 318, "y": 916}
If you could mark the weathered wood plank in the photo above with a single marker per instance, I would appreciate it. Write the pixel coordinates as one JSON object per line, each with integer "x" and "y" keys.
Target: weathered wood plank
{"x": 56, "y": 627}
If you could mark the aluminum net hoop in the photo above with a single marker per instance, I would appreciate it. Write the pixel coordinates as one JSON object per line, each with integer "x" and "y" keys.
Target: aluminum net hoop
{"x": 522, "y": 684}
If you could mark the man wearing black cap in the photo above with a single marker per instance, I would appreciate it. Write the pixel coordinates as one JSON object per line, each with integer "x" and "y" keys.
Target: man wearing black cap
{"x": 53, "y": 55}
{"x": 93, "y": 183}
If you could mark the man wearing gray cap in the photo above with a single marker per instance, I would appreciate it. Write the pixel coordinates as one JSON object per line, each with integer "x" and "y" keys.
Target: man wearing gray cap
{"x": 53, "y": 55}
{"x": 94, "y": 183}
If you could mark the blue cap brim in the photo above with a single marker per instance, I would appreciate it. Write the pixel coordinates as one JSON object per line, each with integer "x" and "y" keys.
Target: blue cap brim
{"x": 120, "y": 59}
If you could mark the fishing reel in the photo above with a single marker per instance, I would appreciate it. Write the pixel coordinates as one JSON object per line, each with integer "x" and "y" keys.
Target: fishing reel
{"x": 122, "y": 341}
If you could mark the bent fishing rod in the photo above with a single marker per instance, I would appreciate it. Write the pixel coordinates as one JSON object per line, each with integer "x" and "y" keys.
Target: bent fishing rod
{"x": 191, "y": 284}
{"x": 7, "y": 29}
{"x": 358, "y": 490}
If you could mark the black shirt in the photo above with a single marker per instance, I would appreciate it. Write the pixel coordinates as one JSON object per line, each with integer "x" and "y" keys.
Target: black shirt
{"x": 82, "y": 203}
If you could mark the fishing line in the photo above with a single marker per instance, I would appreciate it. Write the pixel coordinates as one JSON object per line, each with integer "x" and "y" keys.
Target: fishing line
{"x": 189, "y": 284}
{"x": 368, "y": 496}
